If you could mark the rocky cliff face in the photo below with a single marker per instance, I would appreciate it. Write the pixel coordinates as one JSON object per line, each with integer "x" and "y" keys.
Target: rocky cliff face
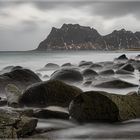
{"x": 76, "y": 37}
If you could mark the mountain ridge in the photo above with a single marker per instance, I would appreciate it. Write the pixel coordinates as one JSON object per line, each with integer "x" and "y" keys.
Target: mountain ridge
{"x": 76, "y": 37}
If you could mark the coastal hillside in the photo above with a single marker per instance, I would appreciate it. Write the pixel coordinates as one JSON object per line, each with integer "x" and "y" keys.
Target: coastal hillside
{"x": 76, "y": 37}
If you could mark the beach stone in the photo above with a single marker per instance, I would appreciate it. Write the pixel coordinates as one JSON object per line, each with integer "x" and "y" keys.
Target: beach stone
{"x": 67, "y": 65}
{"x": 89, "y": 73}
{"x": 107, "y": 64}
{"x": 95, "y": 66}
{"x": 114, "y": 83}
{"x": 13, "y": 125}
{"x": 16, "y": 67}
{"x": 47, "y": 114}
{"x": 93, "y": 106}
{"x": 107, "y": 72}
{"x": 138, "y": 56}
{"x": 52, "y": 92}
{"x": 123, "y": 72}
{"x": 49, "y": 66}
{"x": 87, "y": 83}
{"x": 46, "y": 76}
{"x": 118, "y": 65}
{"x": 67, "y": 75}
{"x": 127, "y": 67}
{"x": 3, "y": 102}
{"x": 85, "y": 63}
{"x": 134, "y": 63}
{"x": 13, "y": 94}
{"x": 19, "y": 77}
{"x": 122, "y": 57}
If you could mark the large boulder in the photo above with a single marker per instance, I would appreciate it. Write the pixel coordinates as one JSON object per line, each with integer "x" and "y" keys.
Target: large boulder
{"x": 13, "y": 95}
{"x": 85, "y": 63}
{"x": 121, "y": 71}
{"x": 96, "y": 66}
{"x": 114, "y": 83}
{"x": 67, "y": 65}
{"x": 107, "y": 72}
{"x": 127, "y": 67}
{"x": 89, "y": 73}
{"x": 122, "y": 57}
{"x": 20, "y": 77}
{"x": 101, "y": 106}
{"x": 49, "y": 93}
{"x": 67, "y": 75}
{"x": 106, "y": 64}
{"x": 14, "y": 125}
{"x": 49, "y": 66}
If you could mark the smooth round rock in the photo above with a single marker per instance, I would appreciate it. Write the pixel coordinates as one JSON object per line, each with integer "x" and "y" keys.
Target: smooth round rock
{"x": 52, "y": 92}
{"x": 67, "y": 75}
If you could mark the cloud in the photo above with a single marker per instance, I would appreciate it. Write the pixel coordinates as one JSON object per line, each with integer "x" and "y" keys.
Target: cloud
{"x": 24, "y": 23}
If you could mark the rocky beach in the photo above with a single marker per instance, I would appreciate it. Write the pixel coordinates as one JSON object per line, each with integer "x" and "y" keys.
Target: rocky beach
{"x": 71, "y": 101}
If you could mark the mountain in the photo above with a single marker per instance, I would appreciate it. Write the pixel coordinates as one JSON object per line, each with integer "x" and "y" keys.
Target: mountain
{"x": 76, "y": 37}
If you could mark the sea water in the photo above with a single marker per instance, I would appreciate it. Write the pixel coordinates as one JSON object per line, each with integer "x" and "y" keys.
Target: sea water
{"x": 37, "y": 60}
{"x": 64, "y": 130}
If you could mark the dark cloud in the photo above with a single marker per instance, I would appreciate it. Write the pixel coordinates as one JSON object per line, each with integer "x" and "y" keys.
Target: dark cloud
{"x": 33, "y": 26}
{"x": 116, "y": 9}
{"x": 108, "y": 9}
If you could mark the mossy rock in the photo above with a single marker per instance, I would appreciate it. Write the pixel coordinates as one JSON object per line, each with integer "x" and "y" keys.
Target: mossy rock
{"x": 19, "y": 77}
{"x": 13, "y": 94}
{"x": 101, "y": 106}
{"x": 52, "y": 92}
{"x": 14, "y": 125}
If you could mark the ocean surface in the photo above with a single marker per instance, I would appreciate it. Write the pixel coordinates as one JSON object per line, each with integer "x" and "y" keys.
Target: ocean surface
{"x": 67, "y": 130}
{"x": 37, "y": 60}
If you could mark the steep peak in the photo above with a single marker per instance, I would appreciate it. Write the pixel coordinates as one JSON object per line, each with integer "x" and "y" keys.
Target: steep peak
{"x": 121, "y": 31}
{"x": 69, "y": 25}
{"x": 75, "y": 26}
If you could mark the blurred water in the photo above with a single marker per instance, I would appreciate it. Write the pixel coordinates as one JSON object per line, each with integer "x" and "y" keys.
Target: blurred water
{"x": 65, "y": 130}
{"x": 37, "y": 60}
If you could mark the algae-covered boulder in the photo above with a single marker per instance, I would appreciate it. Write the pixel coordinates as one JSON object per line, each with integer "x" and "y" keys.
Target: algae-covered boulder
{"x": 47, "y": 93}
{"x": 67, "y": 75}
{"x": 102, "y": 106}
{"x": 14, "y": 125}
{"x": 13, "y": 95}
{"x": 20, "y": 77}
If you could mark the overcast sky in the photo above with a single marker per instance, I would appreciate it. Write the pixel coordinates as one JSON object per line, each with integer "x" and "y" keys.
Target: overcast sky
{"x": 24, "y": 23}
